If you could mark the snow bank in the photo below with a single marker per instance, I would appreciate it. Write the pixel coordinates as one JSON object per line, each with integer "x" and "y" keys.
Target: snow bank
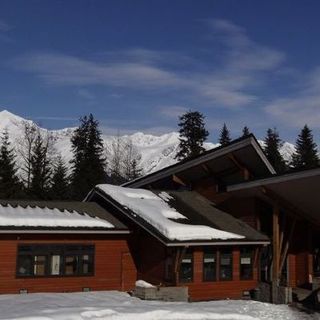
{"x": 159, "y": 214}
{"x": 45, "y": 217}
{"x": 113, "y": 305}
{"x": 144, "y": 284}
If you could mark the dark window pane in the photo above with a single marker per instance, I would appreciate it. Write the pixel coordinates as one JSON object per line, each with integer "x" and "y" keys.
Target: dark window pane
{"x": 25, "y": 265}
{"x": 87, "y": 264}
{"x": 55, "y": 260}
{"x": 186, "y": 268}
{"x": 39, "y": 265}
{"x": 71, "y": 265}
{"x": 209, "y": 266}
{"x": 246, "y": 263}
{"x": 225, "y": 265}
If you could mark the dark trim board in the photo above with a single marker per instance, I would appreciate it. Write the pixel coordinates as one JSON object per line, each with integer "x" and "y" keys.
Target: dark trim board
{"x": 275, "y": 179}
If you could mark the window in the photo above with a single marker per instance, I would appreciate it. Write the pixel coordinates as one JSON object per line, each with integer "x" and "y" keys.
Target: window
{"x": 209, "y": 265}
{"x": 186, "y": 267}
{"x": 55, "y": 260}
{"x": 246, "y": 263}
{"x": 225, "y": 264}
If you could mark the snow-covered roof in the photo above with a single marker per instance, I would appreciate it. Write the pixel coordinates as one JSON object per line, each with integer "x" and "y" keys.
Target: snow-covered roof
{"x": 44, "y": 217}
{"x": 156, "y": 211}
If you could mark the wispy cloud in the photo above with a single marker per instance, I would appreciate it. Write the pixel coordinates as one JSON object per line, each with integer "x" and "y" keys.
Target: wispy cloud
{"x": 4, "y": 30}
{"x": 4, "y": 26}
{"x": 172, "y": 112}
{"x": 53, "y": 118}
{"x": 303, "y": 107}
{"x": 61, "y": 69}
{"x": 229, "y": 84}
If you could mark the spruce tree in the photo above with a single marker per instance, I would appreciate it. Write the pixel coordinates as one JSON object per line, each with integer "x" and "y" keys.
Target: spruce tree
{"x": 224, "y": 138}
{"x": 306, "y": 155}
{"x": 88, "y": 163}
{"x": 10, "y": 186}
{"x": 60, "y": 188}
{"x": 245, "y": 131}
{"x": 40, "y": 169}
{"x": 272, "y": 147}
{"x": 192, "y": 135}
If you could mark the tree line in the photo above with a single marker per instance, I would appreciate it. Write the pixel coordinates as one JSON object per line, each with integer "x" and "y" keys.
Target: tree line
{"x": 42, "y": 174}
{"x": 193, "y": 134}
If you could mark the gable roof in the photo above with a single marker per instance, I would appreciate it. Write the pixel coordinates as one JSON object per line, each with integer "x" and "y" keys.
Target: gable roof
{"x": 246, "y": 150}
{"x": 57, "y": 217}
{"x": 178, "y": 217}
{"x": 300, "y": 189}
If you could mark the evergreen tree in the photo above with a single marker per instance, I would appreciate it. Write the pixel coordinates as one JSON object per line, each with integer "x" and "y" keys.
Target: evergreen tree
{"x": 272, "y": 147}
{"x": 306, "y": 155}
{"x": 88, "y": 163}
{"x": 224, "y": 138}
{"x": 59, "y": 189}
{"x": 10, "y": 186}
{"x": 40, "y": 169}
{"x": 245, "y": 131}
{"x": 192, "y": 135}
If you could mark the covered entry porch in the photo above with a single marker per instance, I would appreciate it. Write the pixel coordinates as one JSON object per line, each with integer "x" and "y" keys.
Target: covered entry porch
{"x": 287, "y": 209}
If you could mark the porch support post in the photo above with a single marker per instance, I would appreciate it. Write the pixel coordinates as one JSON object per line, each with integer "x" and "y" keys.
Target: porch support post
{"x": 177, "y": 263}
{"x": 287, "y": 243}
{"x": 276, "y": 253}
{"x": 310, "y": 254}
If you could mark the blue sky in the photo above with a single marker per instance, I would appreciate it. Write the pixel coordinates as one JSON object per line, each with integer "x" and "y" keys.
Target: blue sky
{"x": 137, "y": 65}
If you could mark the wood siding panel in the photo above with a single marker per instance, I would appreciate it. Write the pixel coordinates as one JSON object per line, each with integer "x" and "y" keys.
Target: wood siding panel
{"x": 108, "y": 265}
{"x": 233, "y": 289}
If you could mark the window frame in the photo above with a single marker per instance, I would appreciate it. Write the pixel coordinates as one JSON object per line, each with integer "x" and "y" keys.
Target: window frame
{"x": 213, "y": 252}
{"x": 221, "y": 252}
{"x": 61, "y": 250}
{"x": 241, "y": 255}
{"x": 186, "y": 256}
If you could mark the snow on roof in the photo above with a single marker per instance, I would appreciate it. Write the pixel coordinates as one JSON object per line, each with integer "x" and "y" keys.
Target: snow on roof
{"x": 156, "y": 211}
{"x": 18, "y": 216}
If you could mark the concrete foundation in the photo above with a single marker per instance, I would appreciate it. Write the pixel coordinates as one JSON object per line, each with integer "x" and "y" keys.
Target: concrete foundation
{"x": 278, "y": 295}
{"x": 162, "y": 293}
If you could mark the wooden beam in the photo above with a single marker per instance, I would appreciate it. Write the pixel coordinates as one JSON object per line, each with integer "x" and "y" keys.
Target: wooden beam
{"x": 246, "y": 173}
{"x": 275, "y": 252}
{"x": 275, "y": 198}
{"x": 206, "y": 168}
{"x": 287, "y": 245}
{"x": 178, "y": 259}
{"x": 275, "y": 242}
{"x": 178, "y": 180}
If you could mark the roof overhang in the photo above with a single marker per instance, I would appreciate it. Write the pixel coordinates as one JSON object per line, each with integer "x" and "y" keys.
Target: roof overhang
{"x": 246, "y": 150}
{"x": 39, "y": 231}
{"x": 299, "y": 189}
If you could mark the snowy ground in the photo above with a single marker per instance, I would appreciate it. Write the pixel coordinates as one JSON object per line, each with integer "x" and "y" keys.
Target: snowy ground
{"x": 120, "y": 306}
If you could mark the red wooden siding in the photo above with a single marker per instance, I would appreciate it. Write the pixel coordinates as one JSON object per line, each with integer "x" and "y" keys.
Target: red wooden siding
{"x": 200, "y": 290}
{"x": 110, "y": 264}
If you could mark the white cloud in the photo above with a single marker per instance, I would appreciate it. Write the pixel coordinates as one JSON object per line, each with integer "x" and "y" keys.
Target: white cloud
{"x": 229, "y": 84}
{"x": 303, "y": 107}
{"x": 173, "y": 111}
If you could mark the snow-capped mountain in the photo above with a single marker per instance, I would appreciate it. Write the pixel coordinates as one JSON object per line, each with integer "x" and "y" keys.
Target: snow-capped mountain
{"x": 156, "y": 152}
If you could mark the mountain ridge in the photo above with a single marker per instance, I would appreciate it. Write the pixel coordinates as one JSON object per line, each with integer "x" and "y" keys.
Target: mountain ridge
{"x": 156, "y": 152}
